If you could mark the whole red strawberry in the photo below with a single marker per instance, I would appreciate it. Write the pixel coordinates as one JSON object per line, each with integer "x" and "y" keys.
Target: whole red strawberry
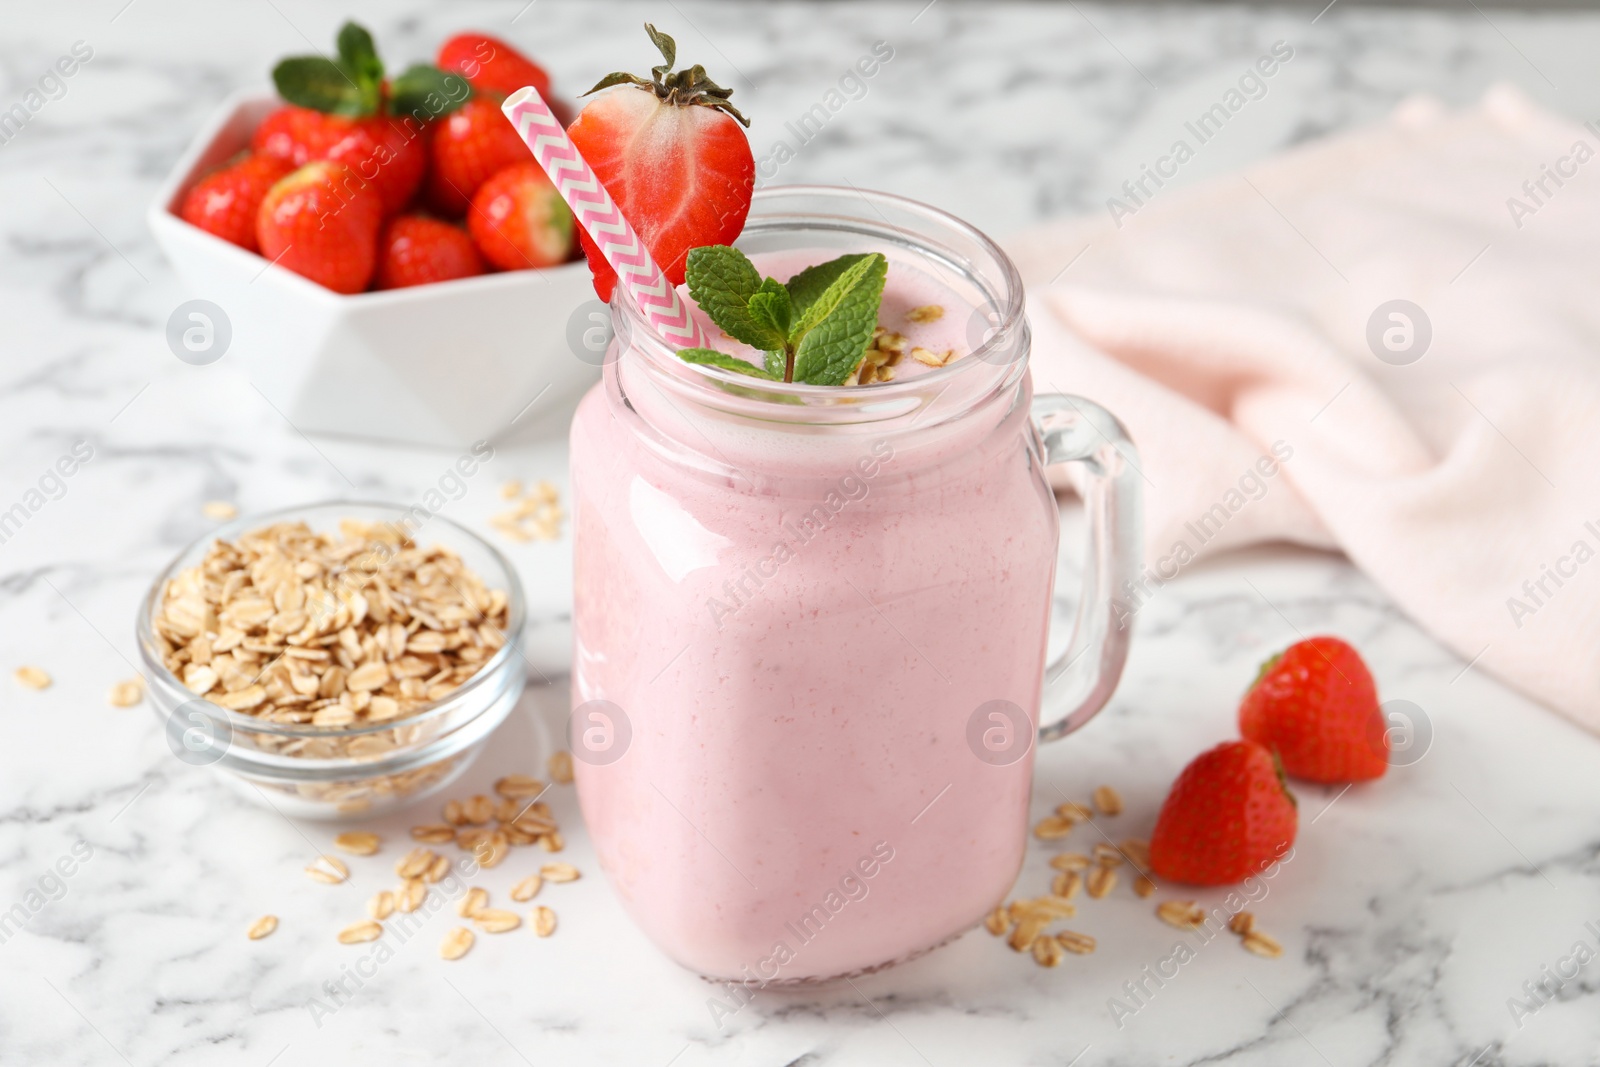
{"x": 1316, "y": 705}
{"x": 225, "y": 202}
{"x": 671, "y": 154}
{"x": 348, "y": 112}
{"x": 468, "y": 148}
{"x": 520, "y": 221}
{"x": 490, "y": 65}
{"x": 322, "y": 221}
{"x": 297, "y": 135}
{"x": 416, "y": 250}
{"x": 1229, "y": 816}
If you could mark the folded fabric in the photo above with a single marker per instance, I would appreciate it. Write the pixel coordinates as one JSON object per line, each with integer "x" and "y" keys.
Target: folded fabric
{"x": 1386, "y": 342}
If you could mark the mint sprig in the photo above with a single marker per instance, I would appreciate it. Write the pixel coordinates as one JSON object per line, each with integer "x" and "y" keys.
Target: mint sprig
{"x": 352, "y": 85}
{"x": 813, "y": 329}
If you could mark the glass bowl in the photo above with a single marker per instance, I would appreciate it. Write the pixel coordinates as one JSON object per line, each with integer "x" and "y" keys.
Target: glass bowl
{"x": 332, "y": 772}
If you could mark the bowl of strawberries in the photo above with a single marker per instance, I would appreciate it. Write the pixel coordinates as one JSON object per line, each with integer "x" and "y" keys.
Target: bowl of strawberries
{"x": 392, "y": 262}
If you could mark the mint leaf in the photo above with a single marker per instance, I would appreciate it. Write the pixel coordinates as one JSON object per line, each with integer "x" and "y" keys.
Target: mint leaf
{"x": 825, "y": 302}
{"x": 712, "y": 358}
{"x": 777, "y": 363}
{"x": 769, "y": 307}
{"x": 321, "y": 85}
{"x": 805, "y": 287}
{"x": 359, "y": 56}
{"x": 722, "y": 281}
{"x": 834, "y": 332}
{"x": 425, "y": 92}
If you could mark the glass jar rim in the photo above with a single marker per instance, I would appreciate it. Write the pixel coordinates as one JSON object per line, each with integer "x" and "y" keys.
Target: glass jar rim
{"x": 795, "y": 402}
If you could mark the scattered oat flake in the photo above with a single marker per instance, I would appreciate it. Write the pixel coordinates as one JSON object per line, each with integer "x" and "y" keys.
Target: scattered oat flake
{"x": 415, "y": 864}
{"x": 263, "y": 927}
{"x": 357, "y": 932}
{"x": 1108, "y": 800}
{"x": 1137, "y": 850}
{"x": 434, "y": 833}
{"x": 496, "y": 920}
{"x": 527, "y": 889}
{"x": 476, "y": 900}
{"x": 560, "y": 872}
{"x": 220, "y": 510}
{"x": 1072, "y": 810}
{"x": 381, "y": 906}
{"x": 1070, "y": 861}
{"x": 519, "y": 786}
{"x": 1029, "y": 927}
{"x": 358, "y": 842}
{"x": 561, "y": 767}
{"x": 925, "y": 313}
{"x": 1048, "y": 952}
{"x": 510, "y": 490}
{"x": 127, "y": 694}
{"x": 456, "y": 943}
{"x": 544, "y": 921}
{"x": 1262, "y": 945}
{"x": 411, "y": 895}
{"x": 1242, "y": 923}
{"x": 32, "y": 677}
{"x": 1101, "y": 880}
{"x": 1066, "y": 884}
{"x": 328, "y": 869}
{"x": 1072, "y": 941}
{"x": 998, "y": 921}
{"x": 1052, "y": 827}
{"x": 1143, "y": 886}
{"x": 1184, "y": 914}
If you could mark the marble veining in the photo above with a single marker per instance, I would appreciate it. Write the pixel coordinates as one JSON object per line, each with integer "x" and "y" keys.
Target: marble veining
{"x": 1427, "y": 919}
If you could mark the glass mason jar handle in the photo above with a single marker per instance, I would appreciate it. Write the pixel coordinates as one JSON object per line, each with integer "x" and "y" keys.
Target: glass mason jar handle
{"x": 1078, "y": 683}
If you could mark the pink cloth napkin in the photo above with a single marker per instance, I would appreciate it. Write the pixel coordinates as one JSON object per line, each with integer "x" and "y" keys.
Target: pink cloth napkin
{"x": 1227, "y": 325}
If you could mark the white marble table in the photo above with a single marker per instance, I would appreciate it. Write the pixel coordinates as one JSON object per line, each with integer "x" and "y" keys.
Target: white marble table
{"x": 1414, "y": 908}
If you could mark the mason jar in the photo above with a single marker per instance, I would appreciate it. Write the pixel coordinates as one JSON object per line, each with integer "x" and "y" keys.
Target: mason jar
{"x": 811, "y": 622}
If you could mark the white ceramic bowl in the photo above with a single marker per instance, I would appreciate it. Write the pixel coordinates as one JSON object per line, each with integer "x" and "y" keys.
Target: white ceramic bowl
{"x": 444, "y": 364}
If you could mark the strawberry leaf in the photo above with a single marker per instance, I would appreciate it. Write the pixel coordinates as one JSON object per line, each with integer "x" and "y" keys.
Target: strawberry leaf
{"x": 805, "y": 287}
{"x": 321, "y": 85}
{"x": 722, "y": 281}
{"x": 666, "y": 46}
{"x": 833, "y": 334}
{"x": 425, "y": 92}
{"x": 712, "y": 358}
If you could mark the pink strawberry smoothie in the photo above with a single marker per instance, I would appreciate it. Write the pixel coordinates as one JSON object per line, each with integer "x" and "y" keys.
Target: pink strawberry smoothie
{"x": 799, "y": 624}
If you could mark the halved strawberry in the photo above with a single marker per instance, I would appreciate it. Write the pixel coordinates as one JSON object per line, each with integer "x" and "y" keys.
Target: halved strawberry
{"x": 225, "y": 201}
{"x": 520, "y": 221}
{"x": 670, "y": 152}
{"x": 490, "y": 65}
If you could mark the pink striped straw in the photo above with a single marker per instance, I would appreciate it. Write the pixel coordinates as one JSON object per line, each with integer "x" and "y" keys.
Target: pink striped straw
{"x": 598, "y": 214}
